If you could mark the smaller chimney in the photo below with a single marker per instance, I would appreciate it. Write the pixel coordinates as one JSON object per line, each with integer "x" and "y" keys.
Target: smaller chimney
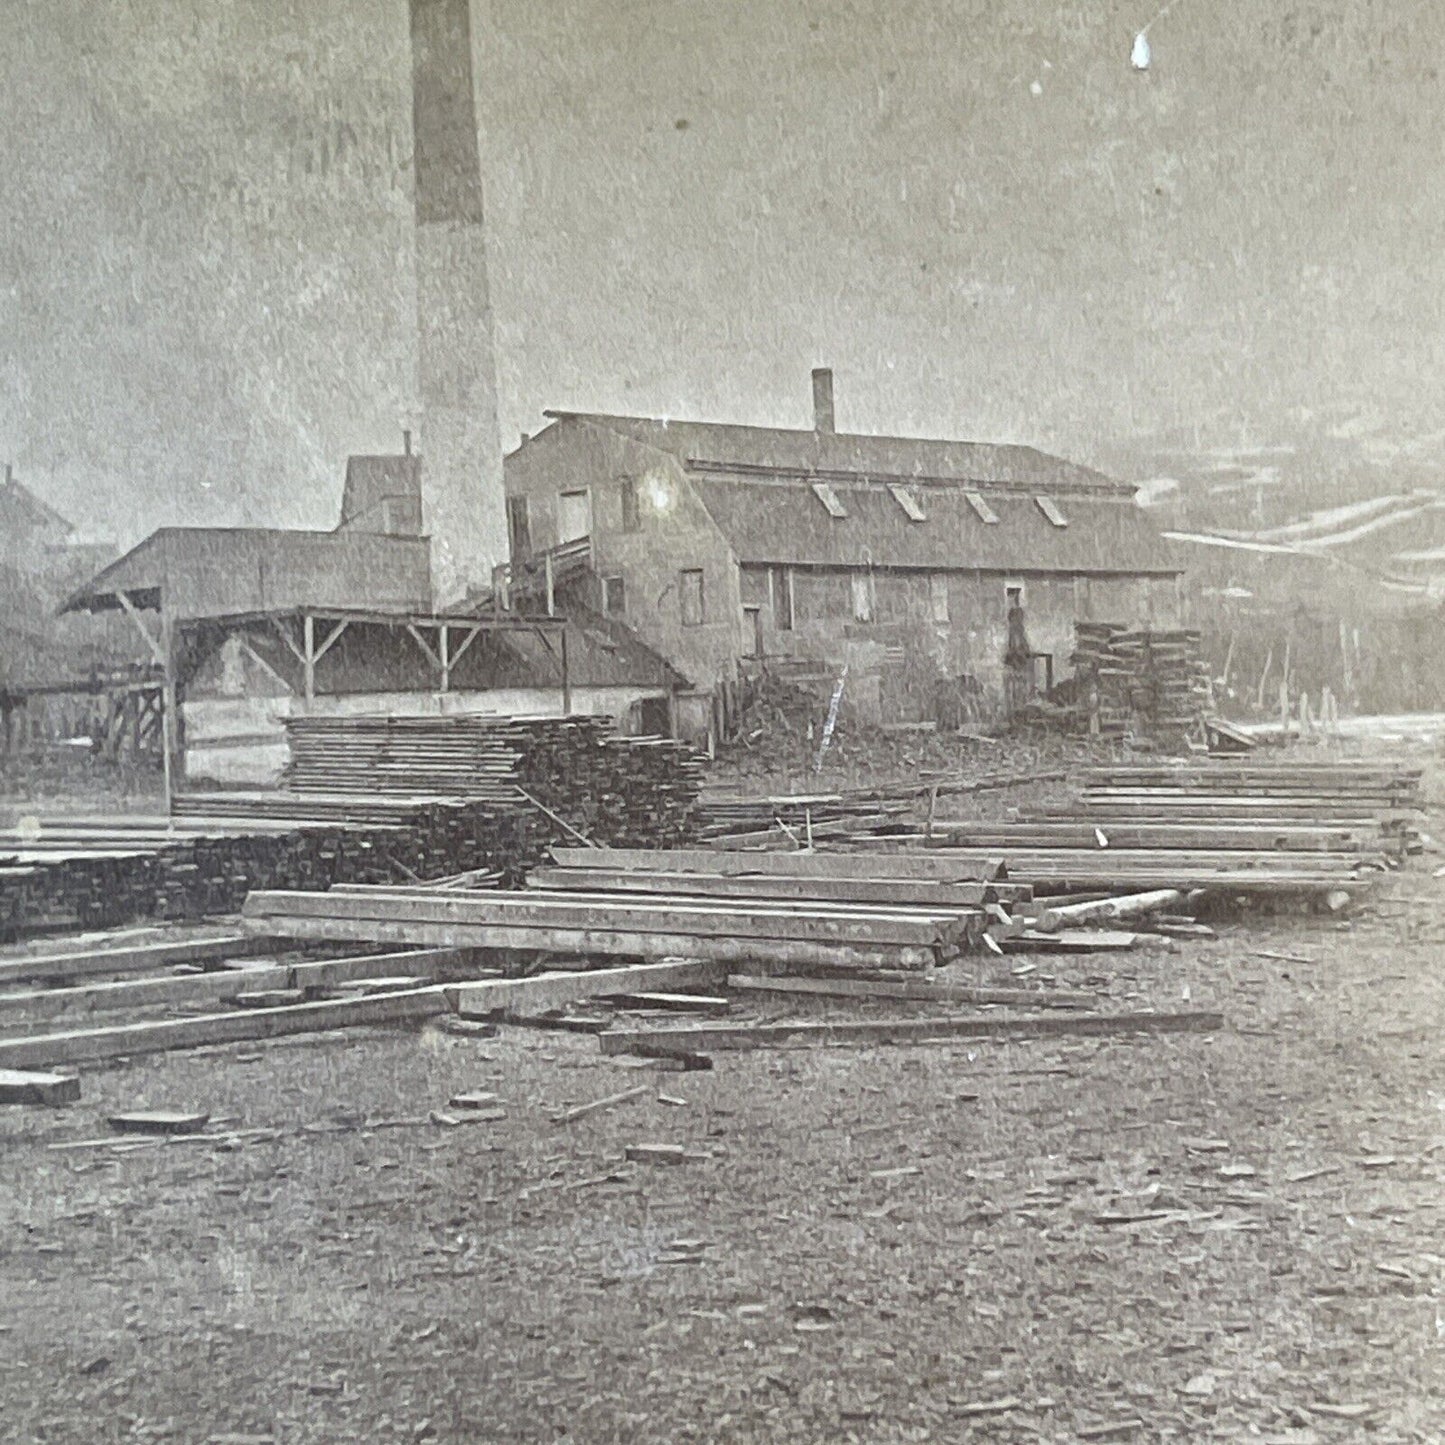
{"x": 9, "y": 473}
{"x": 822, "y": 399}
{"x": 406, "y": 441}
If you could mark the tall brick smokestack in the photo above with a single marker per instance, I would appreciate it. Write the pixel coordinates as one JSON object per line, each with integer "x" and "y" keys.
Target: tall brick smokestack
{"x": 461, "y": 455}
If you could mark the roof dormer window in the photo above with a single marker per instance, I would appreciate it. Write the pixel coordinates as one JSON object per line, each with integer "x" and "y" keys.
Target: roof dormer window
{"x": 1050, "y": 509}
{"x": 908, "y": 500}
{"x": 979, "y": 505}
{"x": 830, "y": 500}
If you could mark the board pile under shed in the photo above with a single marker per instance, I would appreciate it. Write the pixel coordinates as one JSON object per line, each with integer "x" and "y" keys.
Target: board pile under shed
{"x": 610, "y": 788}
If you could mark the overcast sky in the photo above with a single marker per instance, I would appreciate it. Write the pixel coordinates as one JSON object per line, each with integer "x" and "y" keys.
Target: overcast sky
{"x": 978, "y": 214}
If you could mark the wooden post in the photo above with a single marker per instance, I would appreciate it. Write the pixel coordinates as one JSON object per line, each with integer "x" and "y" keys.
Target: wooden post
{"x": 444, "y": 653}
{"x": 1264, "y": 676}
{"x": 308, "y": 658}
{"x": 566, "y": 675}
{"x": 173, "y": 766}
{"x": 550, "y": 573}
{"x": 1347, "y": 678}
{"x": 1284, "y": 709}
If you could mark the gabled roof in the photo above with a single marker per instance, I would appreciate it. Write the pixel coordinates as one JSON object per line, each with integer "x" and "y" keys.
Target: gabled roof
{"x": 785, "y": 523}
{"x": 372, "y": 482}
{"x": 709, "y": 447}
{"x": 17, "y": 500}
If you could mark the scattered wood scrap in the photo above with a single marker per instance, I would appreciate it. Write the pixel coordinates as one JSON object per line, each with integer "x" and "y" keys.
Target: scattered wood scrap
{"x": 904, "y": 1031}
{"x": 555, "y": 990}
{"x": 20, "y": 1087}
{"x": 918, "y": 992}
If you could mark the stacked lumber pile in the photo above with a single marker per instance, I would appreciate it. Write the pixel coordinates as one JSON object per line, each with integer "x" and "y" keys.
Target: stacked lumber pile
{"x": 1230, "y": 827}
{"x": 1154, "y": 683}
{"x": 91, "y": 873}
{"x": 574, "y": 913}
{"x": 800, "y": 908}
{"x": 735, "y": 820}
{"x": 616, "y": 789}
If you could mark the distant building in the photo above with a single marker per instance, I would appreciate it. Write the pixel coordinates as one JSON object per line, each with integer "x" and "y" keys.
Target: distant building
{"x": 732, "y": 549}
{"x": 262, "y": 623}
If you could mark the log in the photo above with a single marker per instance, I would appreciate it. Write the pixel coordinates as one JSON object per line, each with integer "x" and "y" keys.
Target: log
{"x": 556, "y": 990}
{"x": 902, "y": 1031}
{"x": 1131, "y": 905}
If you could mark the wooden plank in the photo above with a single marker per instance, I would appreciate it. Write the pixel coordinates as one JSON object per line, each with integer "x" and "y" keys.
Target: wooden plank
{"x": 603, "y": 943}
{"x": 996, "y": 1026}
{"x": 1103, "y": 941}
{"x": 555, "y": 990}
{"x": 843, "y": 890}
{"x": 19, "y": 1087}
{"x": 98, "y": 962}
{"x": 941, "y": 866}
{"x": 914, "y": 991}
{"x": 223, "y": 986}
{"x": 1064, "y": 833}
{"x": 158, "y": 1036}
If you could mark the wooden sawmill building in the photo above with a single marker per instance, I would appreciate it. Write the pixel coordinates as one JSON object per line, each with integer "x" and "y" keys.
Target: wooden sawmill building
{"x": 731, "y": 550}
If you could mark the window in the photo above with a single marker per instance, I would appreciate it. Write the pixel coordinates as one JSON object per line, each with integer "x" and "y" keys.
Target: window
{"x": 519, "y": 531}
{"x": 938, "y": 595}
{"x": 783, "y": 598}
{"x": 689, "y": 582}
{"x": 829, "y": 499}
{"x": 1050, "y": 509}
{"x": 627, "y": 490}
{"x": 979, "y": 505}
{"x": 862, "y": 584}
{"x": 574, "y": 516}
{"x": 614, "y": 597}
{"x": 908, "y": 501}
{"x": 1013, "y": 594}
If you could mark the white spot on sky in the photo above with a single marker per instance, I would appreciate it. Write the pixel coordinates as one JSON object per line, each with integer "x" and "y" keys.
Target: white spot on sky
{"x": 1035, "y": 88}
{"x": 1139, "y": 56}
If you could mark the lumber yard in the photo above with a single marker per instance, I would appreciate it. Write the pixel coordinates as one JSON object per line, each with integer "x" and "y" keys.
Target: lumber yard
{"x": 558, "y": 884}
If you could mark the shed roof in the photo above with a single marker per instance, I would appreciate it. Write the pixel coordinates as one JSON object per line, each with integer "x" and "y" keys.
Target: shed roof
{"x": 225, "y": 571}
{"x": 723, "y": 447}
{"x": 786, "y": 523}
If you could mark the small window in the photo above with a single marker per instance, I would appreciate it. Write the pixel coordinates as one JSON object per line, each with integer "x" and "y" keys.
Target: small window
{"x": 829, "y": 499}
{"x": 627, "y": 491}
{"x": 690, "y": 588}
{"x": 979, "y": 505}
{"x": 783, "y": 598}
{"x": 912, "y": 508}
{"x": 1013, "y": 594}
{"x": 862, "y": 583}
{"x": 574, "y": 516}
{"x": 614, "y": 597}
{"x": 519, "y": 530}
{"x": 938, "y": 595}
{"x": 1050, "y": 509}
